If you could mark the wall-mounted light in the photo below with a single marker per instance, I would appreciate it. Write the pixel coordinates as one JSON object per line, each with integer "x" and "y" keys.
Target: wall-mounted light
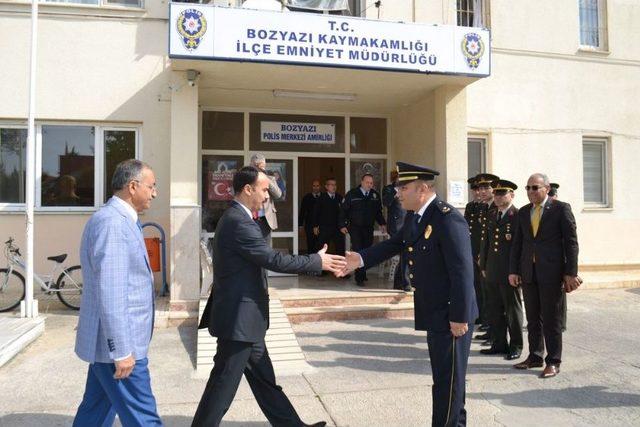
{"x": 192, "y": 76}
{"x": 300, "y": 94}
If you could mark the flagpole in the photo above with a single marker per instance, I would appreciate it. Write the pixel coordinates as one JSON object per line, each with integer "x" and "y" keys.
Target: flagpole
{"x": 28, "y": 310}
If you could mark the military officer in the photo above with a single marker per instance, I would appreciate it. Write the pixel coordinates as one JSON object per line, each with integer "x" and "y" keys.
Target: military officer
{"x": 553, "y": 191}
{"x": 435, "y": 241}
{"x": 471, "y": 215}
{"x": 483, "y": 181}
{"x": 360, "y": 209}
{"x": 503, "y": 300}
{"x": 553, "y": 195}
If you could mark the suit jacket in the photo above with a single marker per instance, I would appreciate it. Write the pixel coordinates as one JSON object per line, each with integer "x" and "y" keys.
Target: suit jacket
{"x": 555, "y": 246}
{"x": 326, "y": 212}
{"x": 117, "y": 307}
{"x": 495, "y": 251}
{"x": 238, "y": 307}
{"x": 305, "y": 216}
{"x": 438, "y": 254}
{"x": 395, "y": 213}
{"x": 269, "y": 206}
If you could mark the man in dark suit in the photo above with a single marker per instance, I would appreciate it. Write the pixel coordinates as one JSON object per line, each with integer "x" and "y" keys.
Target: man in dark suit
{"x": 553, "y": 195}
{"x": 326, "y": 217}
{"x": 237, "y": 311}
{"x": 435, "y": 241}
{"x": 361, "y": 209}
{"x": 305, "y": 216}
{"x": 395, "y": 221}
{"x": 504, "y": 300}
{"x": 544, "y": 259}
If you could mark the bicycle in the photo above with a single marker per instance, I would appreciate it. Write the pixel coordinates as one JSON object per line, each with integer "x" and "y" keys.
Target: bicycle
{"x": 68, "y": 286}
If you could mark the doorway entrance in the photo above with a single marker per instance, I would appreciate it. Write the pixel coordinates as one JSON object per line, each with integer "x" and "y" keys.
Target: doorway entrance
{"x": 320, "y": 168}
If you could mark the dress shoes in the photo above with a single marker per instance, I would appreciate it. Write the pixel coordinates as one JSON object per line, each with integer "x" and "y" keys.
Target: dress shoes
{"x": 318, "y": 424}
{"x": 361, "y": 284}
{"x": 528, "y": 364}
{"x": 483, "y": 328}
{"x": 550, "y": 371}
{"x": 492, "y": 350}
{"x": 513, "y": 355}
{"x": 482, "y": 337}
{"x": 486, "y": 343}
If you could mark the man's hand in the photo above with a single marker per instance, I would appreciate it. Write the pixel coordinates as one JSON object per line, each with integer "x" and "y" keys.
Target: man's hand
{"x": 571, "y": 283}
{"x": 353, "y": 260}
{"x": 484, "y": 273}
{"x": 344, "y": 230}
{"x": 316, "y": 231}
{"x": 458, "y": 329}
{"x": 124, "y": 367}
{"x": 515, "y": 280}
{"x": 383, "y": 228}
{"x": 332, "y": 263}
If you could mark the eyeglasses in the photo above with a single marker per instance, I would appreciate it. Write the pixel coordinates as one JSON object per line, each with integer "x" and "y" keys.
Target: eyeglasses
{"x": 533, "y": 187}
{"x": 150, "y": 187}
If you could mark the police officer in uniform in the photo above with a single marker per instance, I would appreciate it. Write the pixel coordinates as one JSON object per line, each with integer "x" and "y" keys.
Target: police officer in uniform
{"x": 361, "y": 208}
{"x": 503, "y": 300}
{"x": 395, "y": 220}
{"x": 471, "y": 211}
{"x": 435, "y": 241}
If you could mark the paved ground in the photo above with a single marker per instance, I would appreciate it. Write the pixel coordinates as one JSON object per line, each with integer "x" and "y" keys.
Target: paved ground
{"x": 367, "y": 373}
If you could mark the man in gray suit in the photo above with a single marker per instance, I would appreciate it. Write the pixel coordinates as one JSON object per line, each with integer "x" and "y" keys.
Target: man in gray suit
{"x": 237, "y": 312}
{"x": 267, "y": 219}
{"x": 117, "y": 308}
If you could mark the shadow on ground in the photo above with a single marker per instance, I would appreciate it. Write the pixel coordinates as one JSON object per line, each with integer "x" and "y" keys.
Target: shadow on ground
{"x": 56, "y": 420}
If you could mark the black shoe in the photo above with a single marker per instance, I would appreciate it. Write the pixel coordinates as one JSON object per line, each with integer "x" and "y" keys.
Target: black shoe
{"x": 407, "y": 288}
{"x": 366, "y": 279}
{"x": 513, "y": 355}
{"x": 492, "y": 350}
{"x": 482, "y": 337}
{"x": 318, "y": 424}
{"x": 483, "y": 328}
{"x": 486, "y": 343}
{"x": 361, "y": 284}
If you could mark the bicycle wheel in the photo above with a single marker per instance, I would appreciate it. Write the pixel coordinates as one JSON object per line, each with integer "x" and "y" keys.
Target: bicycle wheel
{"x": 12, "y": 288}
{"x": 70, "y": 287}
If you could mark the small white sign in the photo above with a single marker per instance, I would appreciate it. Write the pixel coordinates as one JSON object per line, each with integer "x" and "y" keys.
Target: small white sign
{"x": 456, "y": 193}
{"x": 311, "y": 133}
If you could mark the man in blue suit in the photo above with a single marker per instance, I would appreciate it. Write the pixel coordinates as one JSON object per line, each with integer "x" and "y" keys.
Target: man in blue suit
{"x": 117, "y": 308}
{"x": 435, "y": 242}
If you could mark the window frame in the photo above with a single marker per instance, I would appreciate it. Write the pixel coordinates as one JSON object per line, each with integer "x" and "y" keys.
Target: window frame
{"x": 14, "y": 206}
{"x": 603, "y": 143}
{"x": 470, "y": 13}
{"x": 99, "y": 159}
{"x": 603, "y": 30}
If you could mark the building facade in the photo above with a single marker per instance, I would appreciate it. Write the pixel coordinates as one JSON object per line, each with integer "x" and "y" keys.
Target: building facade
{"x": 559, "y": 98}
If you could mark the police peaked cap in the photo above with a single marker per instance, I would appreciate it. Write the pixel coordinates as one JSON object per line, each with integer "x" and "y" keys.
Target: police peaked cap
{"x": 408, "y": 172}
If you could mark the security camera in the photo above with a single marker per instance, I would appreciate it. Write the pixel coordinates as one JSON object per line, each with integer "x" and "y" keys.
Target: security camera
{"x": 192, "y": 76}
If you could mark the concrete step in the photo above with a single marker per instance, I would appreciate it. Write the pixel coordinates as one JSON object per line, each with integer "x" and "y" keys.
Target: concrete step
{"x": 16, "y": 334}
{"x": 350, "y": 312}
{"x": 607, "y": 279}
{"x": 363, "y": 298}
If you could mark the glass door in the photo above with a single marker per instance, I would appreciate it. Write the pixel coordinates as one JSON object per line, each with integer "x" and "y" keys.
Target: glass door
{"x": 285, "y": 171}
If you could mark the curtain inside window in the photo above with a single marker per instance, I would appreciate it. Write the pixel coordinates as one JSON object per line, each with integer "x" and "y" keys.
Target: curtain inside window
{"x": 589, "y": 23}
{"x": 593, "y": 173}
{"x": 322, "y": 5}
{"x": 478, "y": 13}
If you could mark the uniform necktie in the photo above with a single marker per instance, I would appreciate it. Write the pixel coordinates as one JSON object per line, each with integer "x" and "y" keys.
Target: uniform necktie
{"x": 499, "y": 215}
{"x": 366, "y": 194}
{"x": 414, "y": 224}
{"x": 535, "y": 220}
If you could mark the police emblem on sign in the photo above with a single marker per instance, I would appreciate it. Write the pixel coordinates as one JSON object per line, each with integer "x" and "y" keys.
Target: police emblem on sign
{"x": 473, "y": 49}
{"x": 191, "y": 25}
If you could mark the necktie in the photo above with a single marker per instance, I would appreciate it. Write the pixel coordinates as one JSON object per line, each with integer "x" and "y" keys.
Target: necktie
{"x": 254, "y": 214}
{"x": 139, "y": 224}
{"x": 535, "y": 220}
{"x": 499, "y": 215}
{"x": 414, "y": 224}
{"x": 366, "y": 194}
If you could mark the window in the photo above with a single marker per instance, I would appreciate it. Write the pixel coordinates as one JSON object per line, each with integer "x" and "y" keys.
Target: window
{"x": 593, "y": 24}
{"x": 127, "y": 3}
{"x": 473, "y": 13}
{"x": 222, "y": 131}
{"x": 476, "y": 158}
{"x": 13, "y": 143}
{"x": 368, "y": 135}
{"x": 74, "y": 164}
{"x": 595, "y": 175}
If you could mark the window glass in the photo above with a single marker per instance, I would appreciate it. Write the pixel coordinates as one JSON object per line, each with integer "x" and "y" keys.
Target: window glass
{"x": 217, "y": 187}
{"x": 13, "y": 155}
{"x": 374, "y": 167}
{"x": 282, "y": 172}
{"x": 68, "y": 155}
{"x": 119, "y": 145}
{"x": 368, "y": 135}
{"x": 222, "y": 131}
{"x": 594, "y": 176}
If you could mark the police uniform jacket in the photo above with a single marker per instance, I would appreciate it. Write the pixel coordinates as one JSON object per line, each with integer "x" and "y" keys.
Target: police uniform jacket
{"x": 554, "y": 248}
{"x": 326, "y": 212}
{"x": 438, "y": 254}
{"x": 395, "y": 213}
{"x": 361, "y": 211}
{"x": 496, "y": 248}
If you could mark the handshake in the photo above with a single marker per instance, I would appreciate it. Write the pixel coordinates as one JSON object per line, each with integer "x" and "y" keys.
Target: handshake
{"x": 339, "y": 265}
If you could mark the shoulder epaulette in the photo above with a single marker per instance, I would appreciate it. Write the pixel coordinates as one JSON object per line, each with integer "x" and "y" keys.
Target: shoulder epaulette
{"x": 444, "y": 207}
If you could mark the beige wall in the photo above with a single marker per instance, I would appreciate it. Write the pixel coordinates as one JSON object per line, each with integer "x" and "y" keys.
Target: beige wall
{"x": 84, "y": 75}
